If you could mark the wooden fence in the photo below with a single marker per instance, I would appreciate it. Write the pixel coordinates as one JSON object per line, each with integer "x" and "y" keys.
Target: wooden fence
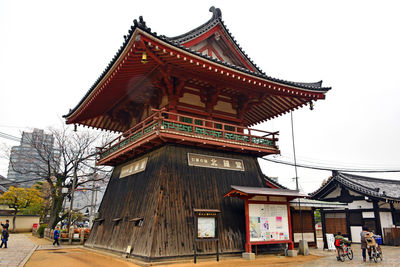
{"x": 74, "y": 237}
{"x": 392, "y": 236}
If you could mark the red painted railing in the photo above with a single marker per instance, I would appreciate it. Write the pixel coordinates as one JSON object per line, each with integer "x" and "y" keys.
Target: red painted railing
{"x": 195, "y": 127}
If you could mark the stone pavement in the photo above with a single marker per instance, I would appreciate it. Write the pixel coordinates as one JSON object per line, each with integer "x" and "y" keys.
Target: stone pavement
{"x": 391, "y": 258}
{"x": 20, "y": 247}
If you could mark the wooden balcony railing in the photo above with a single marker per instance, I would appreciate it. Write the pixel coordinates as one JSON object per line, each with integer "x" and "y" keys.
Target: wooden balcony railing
{"x": 196, "y": 128}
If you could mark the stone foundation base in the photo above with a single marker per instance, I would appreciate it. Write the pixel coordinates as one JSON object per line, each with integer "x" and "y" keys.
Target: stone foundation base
{"x": 292, "y": 253}
{"x": 248, "y": 256}
{"x": 303, "y": 248}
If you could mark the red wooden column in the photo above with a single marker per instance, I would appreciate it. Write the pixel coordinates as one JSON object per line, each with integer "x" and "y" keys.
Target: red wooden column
{"x": 247, "y": 247}
{"x": 291, "y": 243}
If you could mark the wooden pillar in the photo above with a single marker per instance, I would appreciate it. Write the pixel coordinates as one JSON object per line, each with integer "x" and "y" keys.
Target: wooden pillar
{"x": 313, "y": 225}
{"x": 393, "y": 212}
{"x": 324, "y": 229}
{"x": 377, "y": 218}
{"x": 290, "y": 219}
{"x": 247, "y": 245}
{"x": 347, "y": 212}
{"x": 291, "y": 243}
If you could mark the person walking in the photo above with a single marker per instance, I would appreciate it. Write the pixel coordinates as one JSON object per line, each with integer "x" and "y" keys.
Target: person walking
{"x": 4, "y": 238}
{"x": 6, "y": 225}
{"x": 364, "y": 244}
{"x": 56, "y": 236}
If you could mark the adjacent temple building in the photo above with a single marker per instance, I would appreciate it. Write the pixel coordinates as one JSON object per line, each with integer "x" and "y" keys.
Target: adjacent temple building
{"x": 184, "y": 106}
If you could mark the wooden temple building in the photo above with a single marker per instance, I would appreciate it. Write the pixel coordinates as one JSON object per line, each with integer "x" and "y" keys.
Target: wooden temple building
{"x": 184, "y": 106}
{"x": 370, "y": 202}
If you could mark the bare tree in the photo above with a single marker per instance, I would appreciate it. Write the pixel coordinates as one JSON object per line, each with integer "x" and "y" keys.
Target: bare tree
{"x": 70, "y": 155}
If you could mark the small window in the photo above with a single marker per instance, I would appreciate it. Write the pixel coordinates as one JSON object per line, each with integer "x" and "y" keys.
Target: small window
{"x": 117, "y": 220}
{"x": 218, "y": 126}
{"x": 100, "y": 221}
{"x": 198, "y": 122}
{"x": 137, "y": 221}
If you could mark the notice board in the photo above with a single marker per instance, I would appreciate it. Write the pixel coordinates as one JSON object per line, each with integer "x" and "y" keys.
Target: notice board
{"x": 268, "y": 222}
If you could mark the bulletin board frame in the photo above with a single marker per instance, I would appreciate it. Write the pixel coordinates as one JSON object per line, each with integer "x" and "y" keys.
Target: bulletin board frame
{"x": 250, "y": 243}
{"x": 212, "y": 215}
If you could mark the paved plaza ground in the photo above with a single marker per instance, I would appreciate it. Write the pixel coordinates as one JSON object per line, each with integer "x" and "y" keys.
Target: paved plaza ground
{"x": 19, "y": 247}
{"x": 29, "y": 251}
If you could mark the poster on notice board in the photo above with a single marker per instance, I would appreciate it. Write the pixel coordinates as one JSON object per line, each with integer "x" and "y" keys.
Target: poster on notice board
{"x": 268, "y": 222}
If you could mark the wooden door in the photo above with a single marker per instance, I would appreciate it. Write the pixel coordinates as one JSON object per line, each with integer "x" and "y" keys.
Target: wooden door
{"x": 336, "y": 222}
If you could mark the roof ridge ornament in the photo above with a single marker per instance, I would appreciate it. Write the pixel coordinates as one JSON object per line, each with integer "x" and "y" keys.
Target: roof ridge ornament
{"x": 141, "y": 24}
{"x": 217, "y": 14}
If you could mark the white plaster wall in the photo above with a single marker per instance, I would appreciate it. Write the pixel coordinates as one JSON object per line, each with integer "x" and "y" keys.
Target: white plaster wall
{"x": 360, "y": 204}
{"x": 386, "y": 221}
{"x": 334, "y": 193}
{"x": 384, "y": 205}
{"x": 355, "y": 234}
{"x": 309, "y": 237}
{"x": 23, "y": 223}
{"x": 368, "y": 214}
{"x": 352, "y": 193}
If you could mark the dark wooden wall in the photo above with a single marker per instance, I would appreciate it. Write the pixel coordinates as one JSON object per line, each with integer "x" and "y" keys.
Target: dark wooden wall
{"x": 165, "y": 195}
{"x": 305, "y": 225}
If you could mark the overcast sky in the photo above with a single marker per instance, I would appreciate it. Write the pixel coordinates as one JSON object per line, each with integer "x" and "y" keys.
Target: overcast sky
{"x": 52, "y": 52}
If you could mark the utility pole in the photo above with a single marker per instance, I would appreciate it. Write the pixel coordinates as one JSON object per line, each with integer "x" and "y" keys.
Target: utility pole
{"x": 303, "y": 245}
{"x": 92, "y": 205}
{"x": 72, "y": 193}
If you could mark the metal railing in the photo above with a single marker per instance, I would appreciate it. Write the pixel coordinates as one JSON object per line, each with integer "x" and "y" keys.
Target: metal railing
{"x": 164, "y": 121}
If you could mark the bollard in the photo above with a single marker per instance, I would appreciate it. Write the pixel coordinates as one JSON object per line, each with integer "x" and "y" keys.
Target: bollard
{"x": 82, "y": 236}
{"x": 70, "y": 236}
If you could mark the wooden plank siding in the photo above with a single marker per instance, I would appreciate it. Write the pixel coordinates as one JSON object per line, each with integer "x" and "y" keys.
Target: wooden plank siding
{"x": 335, "y": 225}
{"x": 165, "y": 195}
{"x": 307, "y": 217}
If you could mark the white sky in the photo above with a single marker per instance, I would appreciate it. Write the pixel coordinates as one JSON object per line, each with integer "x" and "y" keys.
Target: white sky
{"x": 52, "y": 52}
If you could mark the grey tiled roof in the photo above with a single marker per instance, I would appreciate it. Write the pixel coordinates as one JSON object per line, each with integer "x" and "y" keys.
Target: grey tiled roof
{"x": 267, "y": 191}
{"x": 274, "y": 183}
{"x": 373, "y": 187}
{"x": 306, "y": 202}
{"x": 2, "y": 189}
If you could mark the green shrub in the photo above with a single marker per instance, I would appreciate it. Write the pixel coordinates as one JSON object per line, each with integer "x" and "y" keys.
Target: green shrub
{"x": 41, "y": 229}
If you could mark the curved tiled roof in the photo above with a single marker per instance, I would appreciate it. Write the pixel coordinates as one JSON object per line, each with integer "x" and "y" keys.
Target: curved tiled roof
{"x": 374, "y": 187}
{"x": 2, "y": 189}
{"x": 215, "y": 19}
{"x": 175, "y": 41}
{"x": 274, "y": 183}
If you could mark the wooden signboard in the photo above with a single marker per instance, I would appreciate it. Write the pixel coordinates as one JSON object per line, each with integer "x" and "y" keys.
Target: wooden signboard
{"x": 331, "y": 241}
{"x": 206, "y": 161}
{"x": 205, "y": 228}
{"x": 134, "y": 167}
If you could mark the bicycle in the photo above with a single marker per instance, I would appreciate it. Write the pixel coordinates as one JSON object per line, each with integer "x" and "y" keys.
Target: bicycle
{"x": 345, "y": 251}
{"x": 376, "y": 253}
{"x": 373, "y": 246}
